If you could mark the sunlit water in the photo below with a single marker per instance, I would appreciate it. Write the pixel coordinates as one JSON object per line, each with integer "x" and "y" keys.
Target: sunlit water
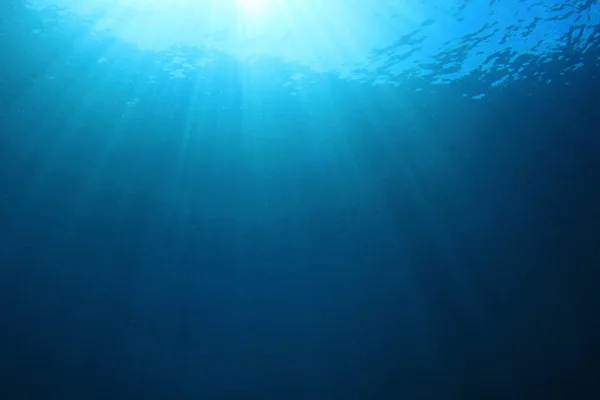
{"x": 297, "y": 199}
{"x": 373, "y": 42}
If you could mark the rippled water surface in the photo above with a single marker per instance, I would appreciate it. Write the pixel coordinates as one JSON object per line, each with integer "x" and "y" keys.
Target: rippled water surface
{"x": 382, "y": 42}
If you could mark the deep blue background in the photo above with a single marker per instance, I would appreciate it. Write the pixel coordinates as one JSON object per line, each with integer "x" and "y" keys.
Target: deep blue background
{"x": 450, "y": 254}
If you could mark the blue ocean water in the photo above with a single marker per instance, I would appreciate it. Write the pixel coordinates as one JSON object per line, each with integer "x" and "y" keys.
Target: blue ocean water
{"x": 286, "y": 199}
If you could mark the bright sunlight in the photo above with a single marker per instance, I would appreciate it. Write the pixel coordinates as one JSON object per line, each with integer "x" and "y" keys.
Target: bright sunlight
{"x": 325, "y": 36}
{"x": 252, "y": 6}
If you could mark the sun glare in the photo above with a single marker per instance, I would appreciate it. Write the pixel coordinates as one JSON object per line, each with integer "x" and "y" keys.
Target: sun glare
{"x": 252, "y": 6}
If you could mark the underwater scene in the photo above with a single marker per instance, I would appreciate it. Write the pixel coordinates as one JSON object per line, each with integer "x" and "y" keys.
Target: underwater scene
{"x": 299, "y": 199}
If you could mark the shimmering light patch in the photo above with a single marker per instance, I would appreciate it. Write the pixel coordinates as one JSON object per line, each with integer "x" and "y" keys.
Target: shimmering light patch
{"x": 332, "y": 35}
{"x": 252, "y": 7}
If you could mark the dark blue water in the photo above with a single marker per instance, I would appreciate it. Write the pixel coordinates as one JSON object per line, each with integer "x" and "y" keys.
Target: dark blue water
{"x": 425, "y": 226}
